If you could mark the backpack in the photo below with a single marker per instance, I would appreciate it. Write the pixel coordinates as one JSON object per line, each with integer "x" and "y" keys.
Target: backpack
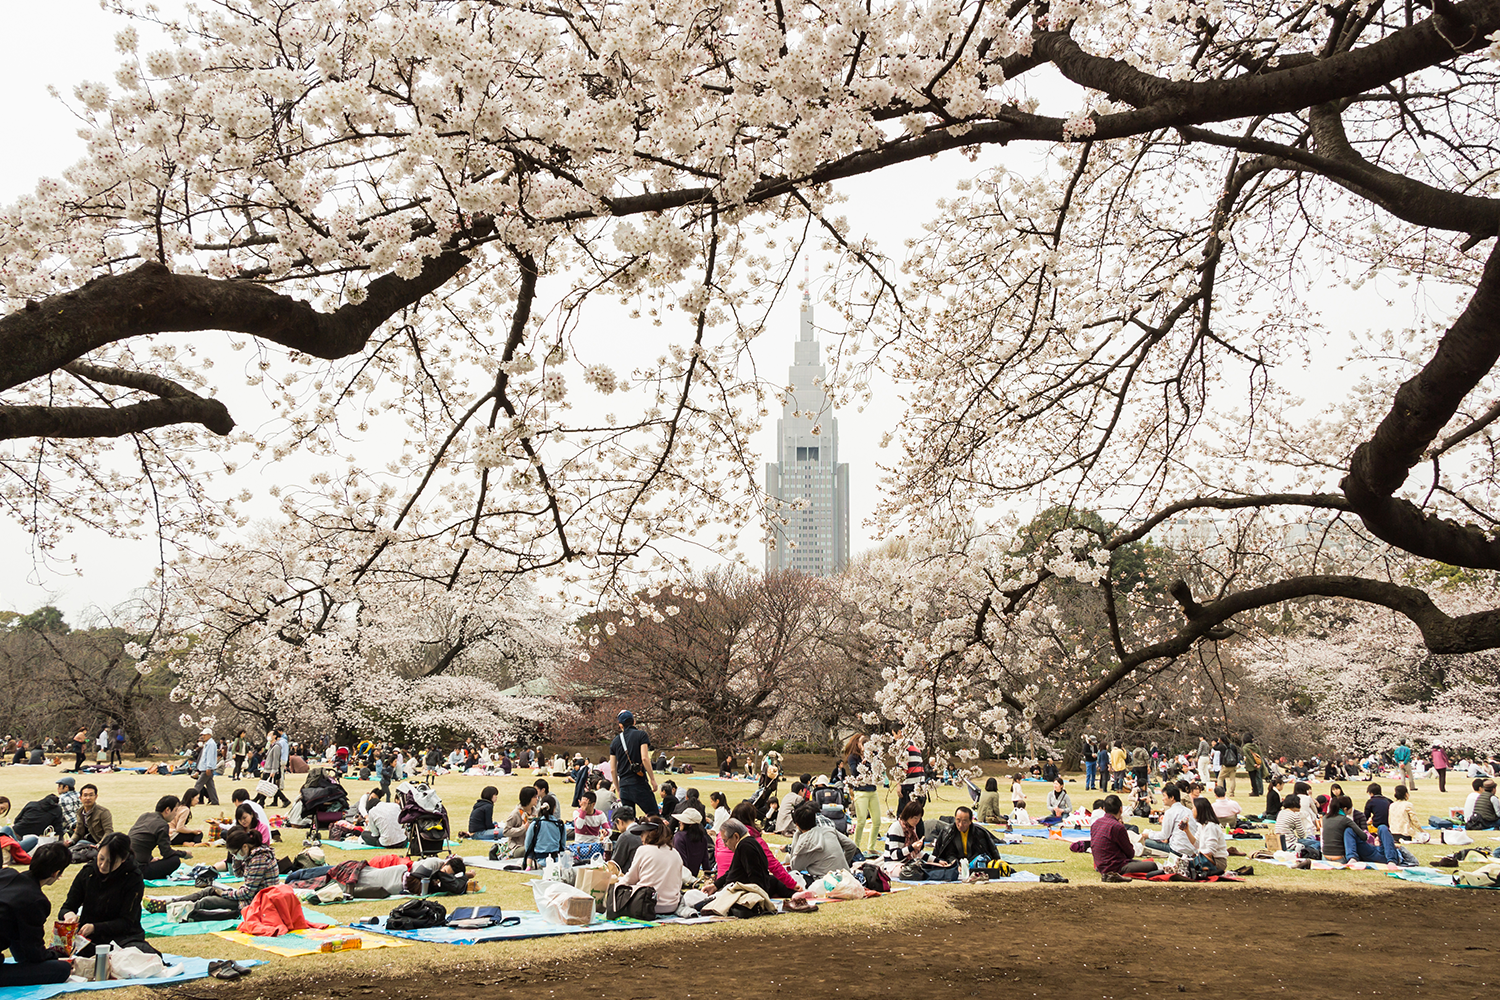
{"x": 1231, "y": 756}
{"x": 638, "y": 902}
{"x": 414, "y": 914}
{"x": 874, "y": 877}
{"x": 546, "y": 837}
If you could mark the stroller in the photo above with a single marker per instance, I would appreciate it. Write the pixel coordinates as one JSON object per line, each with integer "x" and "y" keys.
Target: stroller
{"x": 321, "y": 802}
{"x": 425, "y": 819}
{"x": 830, "y": 802}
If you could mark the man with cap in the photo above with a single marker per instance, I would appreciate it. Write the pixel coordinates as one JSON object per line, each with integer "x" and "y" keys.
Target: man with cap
{"x": 630, "y": 753}
{"x": 70, "y": 802}
{"x": 208, "y": 763}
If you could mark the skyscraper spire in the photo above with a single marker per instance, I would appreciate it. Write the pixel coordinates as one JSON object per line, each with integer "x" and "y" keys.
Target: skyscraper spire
{"x": 806, "y": 486}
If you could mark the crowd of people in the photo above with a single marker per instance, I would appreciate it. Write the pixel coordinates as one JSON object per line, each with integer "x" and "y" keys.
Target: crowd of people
{"x": 1158, "y": 813}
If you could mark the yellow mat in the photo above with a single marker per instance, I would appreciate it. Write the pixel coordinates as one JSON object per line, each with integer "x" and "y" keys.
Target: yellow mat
{"x": 309, "y": 942}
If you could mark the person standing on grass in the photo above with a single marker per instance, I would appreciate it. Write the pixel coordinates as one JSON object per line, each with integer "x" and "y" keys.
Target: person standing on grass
{"x": 864, "y": 793}
{"x": 1402, "y": 757}
{"x": 207, "y": 766}
{"x": 79, "y": 746}
{"x": 239, "y": 750}
{"x": 1440, "y": 765}
{"x": 630, "y": 757}
{"x": 1117, "y": 764}
{"x": 1102, "y": 766}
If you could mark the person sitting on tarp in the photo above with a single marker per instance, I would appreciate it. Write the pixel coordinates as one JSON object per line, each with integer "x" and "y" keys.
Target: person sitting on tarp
{"x": 1114, "y": 855}
{"x": 105, "y": 899}
{"x": 24, "y": 910}
{"x": 1059, "y": 804}
{"x": 964, "y": 839}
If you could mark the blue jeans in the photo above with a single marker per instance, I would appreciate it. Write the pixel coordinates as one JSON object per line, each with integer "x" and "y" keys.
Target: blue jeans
{"x": 304, "y": 874}
{"x": 1357, "y": 848}
{"x": 1088, "y": 775}
{"x": 486, "y": 835}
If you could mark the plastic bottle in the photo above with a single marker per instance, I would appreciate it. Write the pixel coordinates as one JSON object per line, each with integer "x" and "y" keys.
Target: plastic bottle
{"x": 963, "y": 869}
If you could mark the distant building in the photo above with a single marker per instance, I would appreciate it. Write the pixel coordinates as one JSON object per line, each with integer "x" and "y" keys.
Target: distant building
{"x": 815, "y": 537}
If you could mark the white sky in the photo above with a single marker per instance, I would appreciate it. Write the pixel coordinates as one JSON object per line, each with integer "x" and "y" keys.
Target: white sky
{"x": 63, "y": 42}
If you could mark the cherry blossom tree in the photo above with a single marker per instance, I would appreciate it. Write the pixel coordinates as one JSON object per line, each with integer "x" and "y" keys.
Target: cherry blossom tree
{"x": 1361, "y": 678}
{"x": 274, "y": 630}
{"x": 407, "y": 212}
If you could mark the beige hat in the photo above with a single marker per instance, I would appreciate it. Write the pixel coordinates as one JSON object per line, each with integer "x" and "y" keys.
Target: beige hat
{"x": 690, "y": 816}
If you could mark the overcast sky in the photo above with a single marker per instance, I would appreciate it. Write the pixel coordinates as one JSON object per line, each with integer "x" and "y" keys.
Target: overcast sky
{"x": 63, "y": 42}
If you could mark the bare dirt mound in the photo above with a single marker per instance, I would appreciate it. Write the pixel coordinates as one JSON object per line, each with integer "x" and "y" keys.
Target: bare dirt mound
{"x": 1064, "y": 941}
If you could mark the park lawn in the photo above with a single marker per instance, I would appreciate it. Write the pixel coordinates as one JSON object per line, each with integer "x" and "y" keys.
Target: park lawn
{"x": 129, "y": 795}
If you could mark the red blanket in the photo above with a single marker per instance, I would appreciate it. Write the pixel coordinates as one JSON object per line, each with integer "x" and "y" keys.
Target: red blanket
{"x": 274, "y": 911}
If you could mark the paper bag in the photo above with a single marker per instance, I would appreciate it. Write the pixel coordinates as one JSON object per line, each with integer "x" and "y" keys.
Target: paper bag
{"x": 596, "y": 882}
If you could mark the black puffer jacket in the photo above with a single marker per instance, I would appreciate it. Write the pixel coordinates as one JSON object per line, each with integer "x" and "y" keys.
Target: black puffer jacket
{"x": 111, "y": 901}
{"x": 35, "y": 817}
{"x": 23, "y": 917}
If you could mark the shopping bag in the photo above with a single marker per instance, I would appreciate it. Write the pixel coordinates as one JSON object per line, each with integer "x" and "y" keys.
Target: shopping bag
{"x": 596, "y": 882}
{"x": 265, "y": 787}
{"x": 560, "y": 903}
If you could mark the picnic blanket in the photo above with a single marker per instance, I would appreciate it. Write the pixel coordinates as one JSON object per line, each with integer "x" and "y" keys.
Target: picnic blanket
{"x": 1164, "y": 877}
{"x": 1023, "y": 859}
{"x": 308, "y": 942}
{"x": 1432, "y": 876}
{"x": 187, "y": 883}
{"x": 186, "y": 968}
{"x": 503, "y": 865}
{"x": 360, "y": 845}
{"x": 1042, "y": 831}
{"x": 160, "y": 925}
{"x": 532, "y": 925}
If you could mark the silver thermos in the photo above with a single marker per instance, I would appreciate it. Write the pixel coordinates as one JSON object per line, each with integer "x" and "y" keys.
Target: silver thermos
{"x": 101, "y": 963}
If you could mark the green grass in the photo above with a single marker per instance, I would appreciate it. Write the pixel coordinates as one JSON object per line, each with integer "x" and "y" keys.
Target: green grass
{"x": 130, "y": 795}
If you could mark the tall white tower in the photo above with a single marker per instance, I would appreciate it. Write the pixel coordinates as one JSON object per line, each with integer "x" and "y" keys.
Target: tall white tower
{"x": 815, "y": 537}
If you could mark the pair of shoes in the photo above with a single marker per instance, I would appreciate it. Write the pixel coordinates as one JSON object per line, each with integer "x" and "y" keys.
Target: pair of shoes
{"x": 1051, "y": 877}
{"x": 1245, "y": 870}
{"x": 798, "y": 906}
{"x": 1113, "y": 877}
{"x": 155, "y": 904}
{"x": 223, "y": 968}
{"x": 205, "y": 878}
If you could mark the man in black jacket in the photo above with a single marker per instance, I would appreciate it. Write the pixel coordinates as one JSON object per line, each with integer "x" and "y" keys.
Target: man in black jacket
{"x": 35, "y": 818}
{"x": 152, "y": 832}
{"x": 964, "y": 839}
{"x": 23, "y": 920}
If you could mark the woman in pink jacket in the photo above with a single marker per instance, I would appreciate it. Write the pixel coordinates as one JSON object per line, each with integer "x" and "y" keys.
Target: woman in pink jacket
{"x": 1440, "y": 765}
{"x": 723, "y": 855}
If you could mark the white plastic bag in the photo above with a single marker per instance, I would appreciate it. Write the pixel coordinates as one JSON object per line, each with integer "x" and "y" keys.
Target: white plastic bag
{"x": 1020, "y": 817}
{"x": 839, "y": 884}
{"x": 1457, "y": 837}
{"x": 132, "y": 963}
{"x": 560, "y": 903}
